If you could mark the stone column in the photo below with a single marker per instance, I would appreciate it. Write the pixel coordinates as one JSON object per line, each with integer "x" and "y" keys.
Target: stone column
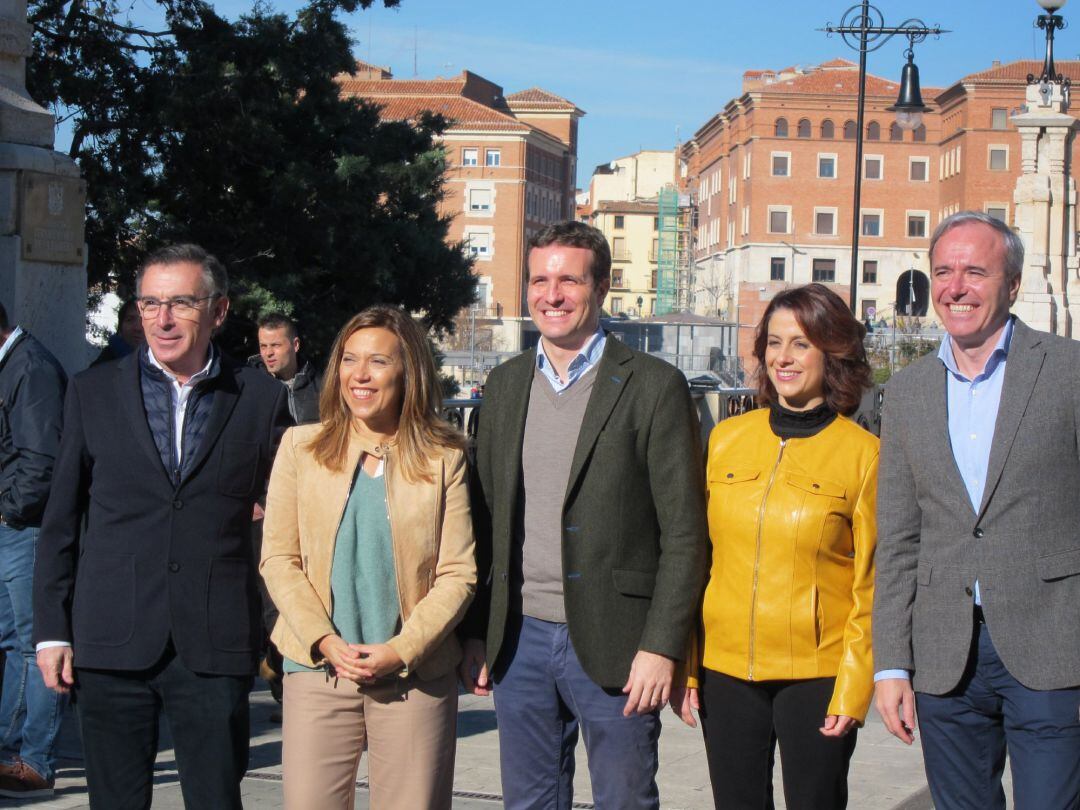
{"x": 42, "y": 209}
{"x": 1045, "y": 213}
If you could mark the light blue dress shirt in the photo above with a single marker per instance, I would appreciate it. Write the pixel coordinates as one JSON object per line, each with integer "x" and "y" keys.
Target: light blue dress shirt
{"x": 10, "y": 342}
{"x": 588, "y": 357}
{"x": 972, "y": 406}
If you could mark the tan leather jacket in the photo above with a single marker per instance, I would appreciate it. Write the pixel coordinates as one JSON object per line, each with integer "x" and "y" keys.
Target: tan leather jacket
{"x": 793, "y": 537}
{"x": 432, "y": 543}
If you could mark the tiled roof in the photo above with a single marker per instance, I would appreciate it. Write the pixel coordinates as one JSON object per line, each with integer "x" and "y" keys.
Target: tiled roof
{"x": 538, "y": 98}
{"x": 839, "y": 82}
{"x": 463, "y": 112}
{"x": 399, "y": 87}
{"x": 838, "y": 63}
{"x": 1018, "y": 71}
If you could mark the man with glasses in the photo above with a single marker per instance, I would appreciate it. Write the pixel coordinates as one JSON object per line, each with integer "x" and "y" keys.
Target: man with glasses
{"x": 145, "y": 590}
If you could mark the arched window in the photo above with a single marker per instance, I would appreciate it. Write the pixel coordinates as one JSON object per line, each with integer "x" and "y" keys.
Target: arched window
{"x": 827, "y": 129}
{"x": 781, "y": 128}
{"x": 895, "y": 132}
{"x": 919, "y": 135}
{"x": 804, "y": 127}
{"x": 873, "y": 131}
{"x": 849, "y": 131}
{"x": 912, "y": 293}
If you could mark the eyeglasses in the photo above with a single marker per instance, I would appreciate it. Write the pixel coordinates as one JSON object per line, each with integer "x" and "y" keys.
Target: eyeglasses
{"x": 183, "y": 306}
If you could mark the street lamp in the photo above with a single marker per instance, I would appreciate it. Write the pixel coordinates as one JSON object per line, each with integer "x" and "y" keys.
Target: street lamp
{"x": 1050, "y": 22}
{"x": 863, "y": 29}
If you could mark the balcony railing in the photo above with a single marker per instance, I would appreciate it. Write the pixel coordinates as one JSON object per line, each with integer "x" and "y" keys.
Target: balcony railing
{"x": 493, "y": 312}
{"x": 621, "y": 255}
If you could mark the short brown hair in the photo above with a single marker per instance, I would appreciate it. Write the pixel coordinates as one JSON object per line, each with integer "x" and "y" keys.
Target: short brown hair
{"x": 830, "y": 326}
{"x": 578, "y": 235}
{"x": 421, "y": 431}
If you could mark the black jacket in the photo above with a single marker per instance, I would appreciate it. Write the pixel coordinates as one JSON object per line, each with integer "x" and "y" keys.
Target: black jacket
{"x": 31, "y": 415}
{"x": 155, "y": 560}
{"x": 304, "y": 392}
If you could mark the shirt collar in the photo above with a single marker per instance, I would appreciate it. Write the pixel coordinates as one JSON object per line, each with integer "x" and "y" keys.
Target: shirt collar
{"x": 194, "y": 378}
{"x": 15, "y": 333}
{"x": 589, "y": 354}
{"x": 998, "y": 356}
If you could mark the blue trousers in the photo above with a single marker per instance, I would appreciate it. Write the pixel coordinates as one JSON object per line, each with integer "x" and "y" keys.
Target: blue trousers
{"x": 30, "y": 712}
{"x": 542, "y": 698}
{"x": 965, "y": 735}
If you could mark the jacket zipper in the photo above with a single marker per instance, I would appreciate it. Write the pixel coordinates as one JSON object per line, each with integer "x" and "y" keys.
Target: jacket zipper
{"x": 757, "y": 554}
{"x": 390, "y": 520}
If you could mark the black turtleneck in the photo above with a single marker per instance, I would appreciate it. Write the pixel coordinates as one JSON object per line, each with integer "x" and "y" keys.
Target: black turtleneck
{"x": 788, "y": 424}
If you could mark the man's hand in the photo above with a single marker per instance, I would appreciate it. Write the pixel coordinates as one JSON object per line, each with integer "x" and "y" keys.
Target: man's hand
{"x": 257, "y": 513}
{"x": 683, "y": 699}
{"x": 57, "y": 668}
{"x": 649, "y": 684}
{"x": 837, "y": 725}
{"x": 895, "y": 702}
{"x": 473, "y": 669}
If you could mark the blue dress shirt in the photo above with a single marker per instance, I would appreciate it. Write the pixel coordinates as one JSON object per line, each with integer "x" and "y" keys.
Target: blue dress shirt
{"x": 972, "y": 406}
{"x": 588, "y": 357}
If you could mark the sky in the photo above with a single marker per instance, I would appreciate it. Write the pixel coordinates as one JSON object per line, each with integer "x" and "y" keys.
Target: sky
{"x": 649, "y": 74}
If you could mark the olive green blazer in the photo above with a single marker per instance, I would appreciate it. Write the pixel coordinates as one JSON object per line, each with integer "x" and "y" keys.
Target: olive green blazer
{"x": 634, "y": 528}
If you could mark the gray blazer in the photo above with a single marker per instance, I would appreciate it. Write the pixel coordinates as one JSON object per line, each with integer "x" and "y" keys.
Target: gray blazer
{"x": 1023, "y": 545}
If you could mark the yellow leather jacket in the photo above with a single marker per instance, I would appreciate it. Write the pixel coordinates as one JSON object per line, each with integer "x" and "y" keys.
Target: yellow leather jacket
{"x": 793, "y": 537}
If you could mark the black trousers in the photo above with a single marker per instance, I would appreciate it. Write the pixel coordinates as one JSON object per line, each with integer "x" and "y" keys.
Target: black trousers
{"x": 742, "y": 721}
{"x": 207, "y": 716}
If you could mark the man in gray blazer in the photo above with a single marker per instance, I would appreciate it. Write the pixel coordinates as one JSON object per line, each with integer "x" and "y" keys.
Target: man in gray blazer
{"x": 977, "y": 602}
{"x": 591, "y": 535}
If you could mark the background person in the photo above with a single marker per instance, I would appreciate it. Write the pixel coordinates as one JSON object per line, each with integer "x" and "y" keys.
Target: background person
{"x": 31, "y": 415}
{"x": 129, "y": 334}
{"x": 785, "y": 653}
{"x": 368, "y": 554}
{"x": 279, "y": 355}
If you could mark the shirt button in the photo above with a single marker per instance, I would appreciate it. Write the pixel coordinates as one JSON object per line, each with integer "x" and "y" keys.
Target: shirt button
{"x": 174, "y": 567}
{"x": 178, "y": 504}
{"x": 978, "y": 533}
{"x": 974, "y": 436}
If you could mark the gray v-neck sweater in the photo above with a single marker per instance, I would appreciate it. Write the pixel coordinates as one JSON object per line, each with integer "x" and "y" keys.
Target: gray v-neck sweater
{"x": 552, "y": 426}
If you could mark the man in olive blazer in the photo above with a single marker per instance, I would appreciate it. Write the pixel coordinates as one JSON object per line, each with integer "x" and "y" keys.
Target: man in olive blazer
{"x": 977, "y": 602}
{"x": 591, "y": 537}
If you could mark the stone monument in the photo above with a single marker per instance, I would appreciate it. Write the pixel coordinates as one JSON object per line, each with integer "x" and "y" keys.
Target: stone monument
{"x": 42, "y": 209}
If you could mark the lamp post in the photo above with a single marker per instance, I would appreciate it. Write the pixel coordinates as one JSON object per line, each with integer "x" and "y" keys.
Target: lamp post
{"x": 1050, "y": 22}
{"x": 863, "y": 29}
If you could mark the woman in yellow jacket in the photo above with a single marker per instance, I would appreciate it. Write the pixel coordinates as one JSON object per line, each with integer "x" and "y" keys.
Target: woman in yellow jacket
{"x": 784, "y": 648}
{"x": 368, "y": 555}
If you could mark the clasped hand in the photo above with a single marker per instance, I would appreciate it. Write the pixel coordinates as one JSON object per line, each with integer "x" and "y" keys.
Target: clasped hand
{"x": 360, "y": 663}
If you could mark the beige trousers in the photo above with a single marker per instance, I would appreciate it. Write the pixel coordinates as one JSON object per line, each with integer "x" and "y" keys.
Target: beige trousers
{"x": 407, "y": 726}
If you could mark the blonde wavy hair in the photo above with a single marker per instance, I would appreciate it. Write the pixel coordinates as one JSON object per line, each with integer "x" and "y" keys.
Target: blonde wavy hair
{"x": 422, "y": 432}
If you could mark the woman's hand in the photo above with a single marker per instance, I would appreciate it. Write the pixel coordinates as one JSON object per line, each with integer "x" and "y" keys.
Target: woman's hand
{"x": 838, "y": 725}
{"x": 343, "y": 657}
{"x": 377, "y": 660}
{"x": 683, "y": 699}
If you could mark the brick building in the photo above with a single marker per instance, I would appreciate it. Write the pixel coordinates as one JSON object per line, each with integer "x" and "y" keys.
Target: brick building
{"x": 511, "y": 168}
{"x": 772, "y": 179}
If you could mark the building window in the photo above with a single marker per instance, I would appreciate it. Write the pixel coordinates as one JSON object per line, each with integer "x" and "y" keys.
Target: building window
{"x": 825, "y": 222}
{"x": 869, "y": 272}
{"x": 780, "y": 164}
{"x": 826, "y": 166}
{"x": 618, "y": 249}
{"x": 872, "y": 167}
{"x": 827, "y": 129}
{"x": 479, "y": 244}
{"x": 873, "y": 131}
{"x": 896, "y": 133}
{"x": 999, "y": 118}
{"x": 470, "y": 157}
{"x": 480, "y": 199}
{"x": 616, "y": 277}
{"x": 493, "y": 157}
{"x": 656, "y": 223}
{"x": 850, "y": 130}
{"x": 871, "y": 224}
{"x": 776, "y": 268}
{"x": 824, "y": 270}
{"x": 999, "y": 158}
{"x": 998, "y": 212}
{"x": 616, "y": 305}
{"x": 746, "y": 167}
{"x": 778, "y": 220}
{"x": 620, "y": 222}
{"x": 918, "y": 169}
{"x": 652, "y": 279}
{"x": 804, "y": 128}
{"x": 916, "y": 225}
{"x": 781, "y": 128}
{"x": 919, "y": 134}
{"x": 869, "y": 308}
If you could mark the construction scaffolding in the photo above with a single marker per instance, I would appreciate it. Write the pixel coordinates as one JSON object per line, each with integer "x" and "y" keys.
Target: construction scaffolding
{"x": 673, "y": 282}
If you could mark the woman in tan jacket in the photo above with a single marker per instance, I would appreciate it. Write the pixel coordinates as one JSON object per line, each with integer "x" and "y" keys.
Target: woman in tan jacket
{"x": 368, "y": 555}
{"x": 784, "y": 653}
